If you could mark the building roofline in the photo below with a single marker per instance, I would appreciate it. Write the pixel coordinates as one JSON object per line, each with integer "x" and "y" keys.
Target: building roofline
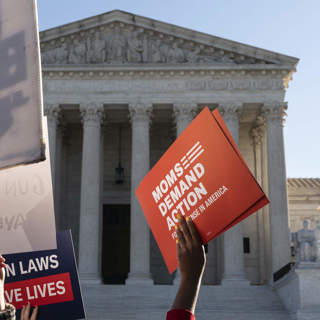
{"x": 201, "y": 37}
{"x": 303, "y": 182}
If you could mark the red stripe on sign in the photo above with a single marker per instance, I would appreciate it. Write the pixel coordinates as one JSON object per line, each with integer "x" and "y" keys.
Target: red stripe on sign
{"x": 40, "y": 291}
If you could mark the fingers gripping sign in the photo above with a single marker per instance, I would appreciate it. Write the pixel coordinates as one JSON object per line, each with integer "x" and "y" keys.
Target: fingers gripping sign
{"x": 2, "y": 277}
{"x": 2, "y": 268}
{"x": 191, "y": 253}
{"x": 2, "y": 262}
{"x": 186, "y": 232}
{"x": 194, "y": 232}
{"x": 181, "y": 241}
{"x": 25, "y": 313}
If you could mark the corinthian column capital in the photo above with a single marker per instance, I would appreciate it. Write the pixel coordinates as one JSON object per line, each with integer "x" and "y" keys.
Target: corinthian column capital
{"x": 91, "y": 113}
{"x": 275, "y": 112}
{"x": 53, "y": 113}
{"x": 140, "y": 112}
{"x": 230, "y": 111}
{"x": 184, "y": 111}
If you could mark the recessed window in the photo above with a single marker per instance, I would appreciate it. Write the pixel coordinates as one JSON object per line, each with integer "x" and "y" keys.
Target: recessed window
{"x": 246, "y": 245}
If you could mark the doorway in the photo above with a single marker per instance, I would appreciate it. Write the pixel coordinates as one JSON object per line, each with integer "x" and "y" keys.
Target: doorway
{"x": 115, "y": 243}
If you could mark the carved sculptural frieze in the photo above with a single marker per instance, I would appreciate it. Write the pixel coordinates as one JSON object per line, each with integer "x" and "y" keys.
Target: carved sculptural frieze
{"x": 154, "y": 51}
{"x": 96, "y": 49}
{"x": 119, "y": 45}
{"x": 78, "y": 52}
{"x": 135, "y": 49}
{"x": 175, "y": 54}
{"x": 62, "y": 54}
{"x": 116, "y": 47}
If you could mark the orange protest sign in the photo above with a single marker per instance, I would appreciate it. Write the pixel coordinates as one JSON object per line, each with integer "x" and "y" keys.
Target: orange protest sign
{"x": 202, "y": 175}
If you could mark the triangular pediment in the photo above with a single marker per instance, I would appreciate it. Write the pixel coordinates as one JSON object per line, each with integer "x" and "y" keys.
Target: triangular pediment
{"x": 118, "y": 37}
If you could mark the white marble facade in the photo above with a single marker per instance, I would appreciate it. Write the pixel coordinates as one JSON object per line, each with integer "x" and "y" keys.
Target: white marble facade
{"x": 151, "y": 78}
{"x": 304, "y": 202}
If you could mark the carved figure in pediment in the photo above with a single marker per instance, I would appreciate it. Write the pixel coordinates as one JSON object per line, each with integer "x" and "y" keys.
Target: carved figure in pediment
{"x": 205, "y": 58}
{"x": 164, "y": 51}
{"x": 97, "y": 49}
{"x": 155, "y": 55}
{"x": 175, "y": 54}
{"x": 226, "y": 59}
{"x": 45, "y": 57}
{"x": 135, "y": 49}
{"x": 193, "y": 56}
{"x": 116, "y": 47}
{"x": 49, "y": 57}
{"x": 62, "y": 54}
{"x": 78, "y": 52}
{"x": 145, "y": 53}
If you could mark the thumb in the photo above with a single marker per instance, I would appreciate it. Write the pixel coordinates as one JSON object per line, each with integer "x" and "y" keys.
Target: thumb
{"x": 2, "y": 275}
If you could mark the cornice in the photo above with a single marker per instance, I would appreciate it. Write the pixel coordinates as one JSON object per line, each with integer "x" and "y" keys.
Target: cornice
{"x": 141, "y": 72}
{"x": 243, "y": 68}
{"x": 313, "y": 183}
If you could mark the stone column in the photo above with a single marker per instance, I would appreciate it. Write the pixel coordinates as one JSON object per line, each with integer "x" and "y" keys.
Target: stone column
{"x": 102, "y": 139}
{"x": 278, "y": 209}
{"x": 52, "y": 112}
{"x": 183, "y": 115}
{"x": 90, "y": 218}
{"x": 58, "y": 174}
{"x": 234, "y": 273}
{"x": 257, "y": 133}
{"x": 139, "y": 232}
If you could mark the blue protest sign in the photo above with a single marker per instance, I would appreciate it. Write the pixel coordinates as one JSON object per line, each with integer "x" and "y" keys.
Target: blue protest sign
{"x": 48, "y": 279}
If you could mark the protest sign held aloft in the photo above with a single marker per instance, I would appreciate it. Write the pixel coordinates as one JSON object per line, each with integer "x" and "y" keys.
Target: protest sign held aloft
{"x": 27, "y": 220}
{"x": 203, "y": 176}
{"x": 21, "y": 138}
{"x": 48, "y": 279}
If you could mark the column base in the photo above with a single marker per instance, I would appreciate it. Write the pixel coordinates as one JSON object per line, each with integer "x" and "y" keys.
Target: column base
{"x": 139, "y": 279}
{"x": 93, "y": 279}
{"x": 235, "y": 282}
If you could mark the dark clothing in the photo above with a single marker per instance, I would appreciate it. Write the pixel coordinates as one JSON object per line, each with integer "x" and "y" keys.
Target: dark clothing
{"x": 9, "y": 313}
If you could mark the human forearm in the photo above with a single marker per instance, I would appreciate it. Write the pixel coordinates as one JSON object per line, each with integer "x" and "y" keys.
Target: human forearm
{"x": 2, "y": 276}
{"x": 192, "y": 261}
{"x": 187, "y": 295}
{"x": 7, "y": 311}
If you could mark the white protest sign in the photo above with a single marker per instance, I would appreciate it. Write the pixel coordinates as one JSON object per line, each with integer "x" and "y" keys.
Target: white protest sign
{"x": 26, "y": 207}
{"x": 20, "y": 84}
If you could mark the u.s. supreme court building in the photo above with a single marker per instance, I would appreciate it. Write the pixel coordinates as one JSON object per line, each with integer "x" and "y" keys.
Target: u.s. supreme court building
{"x": 118, "y": 89}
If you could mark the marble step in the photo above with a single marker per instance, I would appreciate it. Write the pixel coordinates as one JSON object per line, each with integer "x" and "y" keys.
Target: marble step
{"x": 152, "y": 302}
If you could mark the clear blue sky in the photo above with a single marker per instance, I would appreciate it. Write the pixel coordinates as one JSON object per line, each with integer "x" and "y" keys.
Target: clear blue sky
{"x": 291, "y": 27}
